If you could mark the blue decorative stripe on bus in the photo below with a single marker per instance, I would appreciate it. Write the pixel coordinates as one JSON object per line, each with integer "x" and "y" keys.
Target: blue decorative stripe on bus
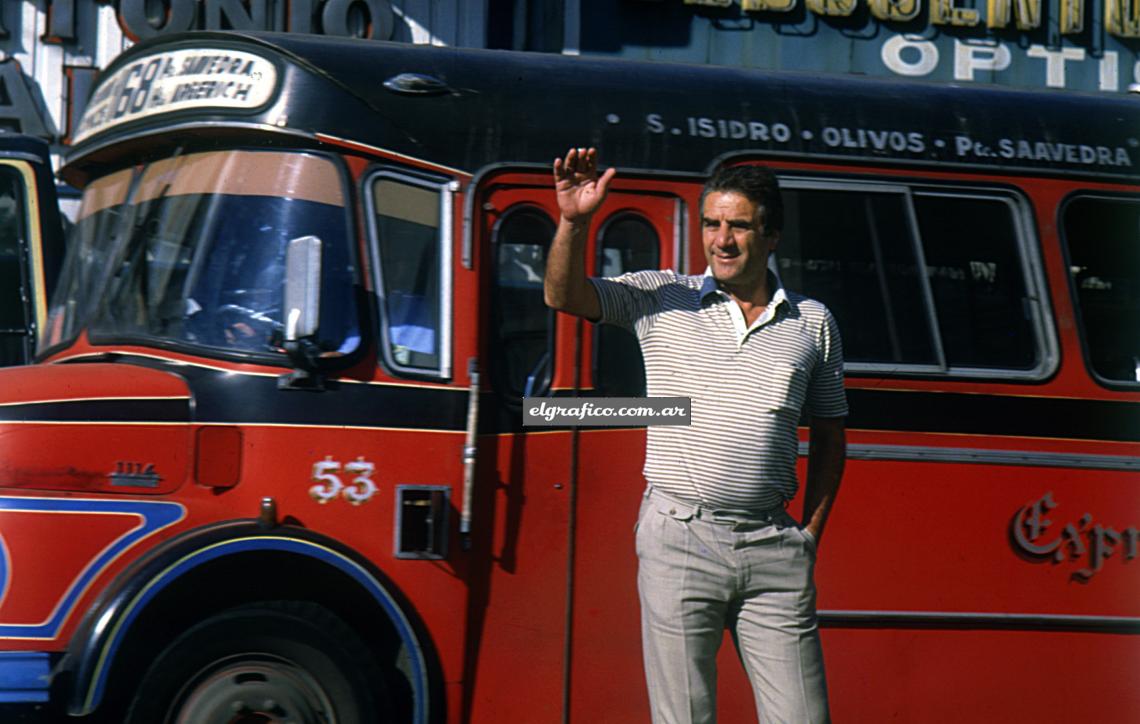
{"x": 25, "y": 676}
{"x": 154, "y": 515}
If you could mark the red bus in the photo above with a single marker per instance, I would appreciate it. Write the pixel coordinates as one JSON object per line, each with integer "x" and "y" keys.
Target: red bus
{"x": 270, "y": 465}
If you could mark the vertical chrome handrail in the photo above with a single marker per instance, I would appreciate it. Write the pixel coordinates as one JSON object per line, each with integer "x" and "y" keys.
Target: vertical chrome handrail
{"x": 469, "y": 452}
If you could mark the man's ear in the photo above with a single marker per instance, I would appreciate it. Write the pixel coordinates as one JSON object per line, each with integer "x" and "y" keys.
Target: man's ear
{"x": 773, "y": 241}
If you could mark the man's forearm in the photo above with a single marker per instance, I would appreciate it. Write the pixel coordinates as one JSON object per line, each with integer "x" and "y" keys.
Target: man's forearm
{"x": 565, "y": 286}
{"x": 827, "y": 454}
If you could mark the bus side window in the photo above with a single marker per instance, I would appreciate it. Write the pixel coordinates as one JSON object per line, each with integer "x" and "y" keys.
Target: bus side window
{"x": 523, "y": 326}
{"x": 977, "y": 281}
{"x": 1102, "y": 237}
{"x": 920, "y": 280}
{"x": 14, "y": 337}
{"x": 854, "y": 253}
{"x": 408, "y": 216}
{"x": 626, "y": 243}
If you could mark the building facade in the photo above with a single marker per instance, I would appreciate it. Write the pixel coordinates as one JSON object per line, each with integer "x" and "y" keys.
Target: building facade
{"x": 51, "y": 50}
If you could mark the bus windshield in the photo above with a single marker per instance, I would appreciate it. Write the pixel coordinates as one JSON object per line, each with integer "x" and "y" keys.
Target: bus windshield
{"x": 190, "y": 250}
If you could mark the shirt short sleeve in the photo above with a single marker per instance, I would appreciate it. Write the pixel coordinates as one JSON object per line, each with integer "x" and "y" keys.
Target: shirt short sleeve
{"x": 827, "y": 398}
{"x": 630, "y": 299}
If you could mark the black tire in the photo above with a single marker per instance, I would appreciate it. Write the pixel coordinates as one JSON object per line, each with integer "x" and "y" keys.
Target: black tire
{"x": 267, "y": 662}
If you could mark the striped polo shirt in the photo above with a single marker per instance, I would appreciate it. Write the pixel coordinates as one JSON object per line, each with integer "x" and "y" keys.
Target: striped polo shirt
{"x": 748, "y": 386}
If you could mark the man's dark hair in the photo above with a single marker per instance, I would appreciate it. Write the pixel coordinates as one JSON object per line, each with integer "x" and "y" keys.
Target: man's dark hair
{"x": 757, "y": 184}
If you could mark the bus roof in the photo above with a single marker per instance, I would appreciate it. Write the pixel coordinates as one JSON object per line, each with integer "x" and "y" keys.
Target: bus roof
{"x": 471, "y": 109}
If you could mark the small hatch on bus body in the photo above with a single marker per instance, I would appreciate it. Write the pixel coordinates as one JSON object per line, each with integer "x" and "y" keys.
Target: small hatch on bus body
{"x": 422, "y": 520}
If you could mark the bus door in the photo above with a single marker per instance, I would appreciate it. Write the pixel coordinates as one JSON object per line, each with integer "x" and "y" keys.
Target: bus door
{"x": 642, "y": 226}
{"x": 31, "y": 245}
{"x": 530, "y": 353}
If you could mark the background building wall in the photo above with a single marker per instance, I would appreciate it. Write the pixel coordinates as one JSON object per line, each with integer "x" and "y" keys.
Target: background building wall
{"x": 1088, "y": 45}
{"x": 50, "y": 50}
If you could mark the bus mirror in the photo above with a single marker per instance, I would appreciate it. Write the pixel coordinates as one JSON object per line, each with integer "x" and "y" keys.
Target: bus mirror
{"x": 302, "y": 312}
{"x": 302, "y": 287}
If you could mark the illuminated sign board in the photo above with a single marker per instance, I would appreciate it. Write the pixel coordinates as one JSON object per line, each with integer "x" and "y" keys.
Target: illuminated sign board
{"x": 1121, "y": 17}
{"x": 1088, "y": 45}
{"x": 178, "y": 80}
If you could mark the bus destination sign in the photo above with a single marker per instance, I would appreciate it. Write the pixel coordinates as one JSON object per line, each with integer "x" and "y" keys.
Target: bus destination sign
{"x": 177, "y": 80}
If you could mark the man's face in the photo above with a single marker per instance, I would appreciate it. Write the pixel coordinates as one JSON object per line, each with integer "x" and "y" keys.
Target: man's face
{"x": 735, "y": 243}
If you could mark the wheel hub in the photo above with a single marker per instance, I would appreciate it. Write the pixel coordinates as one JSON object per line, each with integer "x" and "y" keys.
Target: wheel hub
{"x": 261, "y": 692}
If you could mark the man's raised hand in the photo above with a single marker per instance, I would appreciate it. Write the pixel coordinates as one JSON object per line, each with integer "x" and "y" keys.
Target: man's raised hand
{"x": 579, "y": 190}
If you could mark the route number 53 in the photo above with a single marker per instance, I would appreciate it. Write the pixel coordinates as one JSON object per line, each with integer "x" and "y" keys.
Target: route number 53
{"x": 328, "y": 484}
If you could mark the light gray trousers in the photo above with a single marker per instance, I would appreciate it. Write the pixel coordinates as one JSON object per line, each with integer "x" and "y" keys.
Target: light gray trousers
{"x": 700, "y": 572}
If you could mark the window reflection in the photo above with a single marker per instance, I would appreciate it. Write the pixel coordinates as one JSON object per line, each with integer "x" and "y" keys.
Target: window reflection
{"x": 408, "y": 236}
{"x": 15, "y": 340}
{"x": 918, "y": 280}
{"x": 191, "y": 251}
{"x": 1102, "y": 235}
{"x": 523, "y": 324}
{"x": 855, "y": 253}
{"x": 977, "y": 281}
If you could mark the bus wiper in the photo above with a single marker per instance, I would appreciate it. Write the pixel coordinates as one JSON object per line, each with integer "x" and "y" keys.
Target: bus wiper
{"x": 134, "y": 257}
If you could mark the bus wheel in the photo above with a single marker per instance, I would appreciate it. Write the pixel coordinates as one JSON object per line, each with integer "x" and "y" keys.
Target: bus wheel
{"x": 269, "y": 662}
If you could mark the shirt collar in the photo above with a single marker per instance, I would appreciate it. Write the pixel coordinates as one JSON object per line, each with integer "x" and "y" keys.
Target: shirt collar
{"x": 779, "y": 296}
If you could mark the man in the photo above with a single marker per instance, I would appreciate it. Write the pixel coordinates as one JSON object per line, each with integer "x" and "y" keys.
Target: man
{"x": 715, "y": 546}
